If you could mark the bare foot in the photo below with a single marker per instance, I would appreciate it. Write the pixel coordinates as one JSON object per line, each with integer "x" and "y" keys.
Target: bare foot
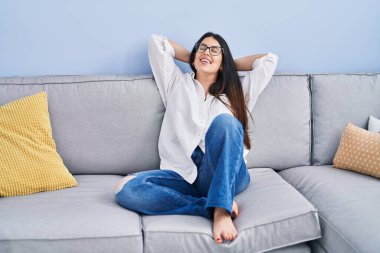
{"x": 122, "y": 182}
{"x": 224, "y": 228}
{"x": 235, "y": 210}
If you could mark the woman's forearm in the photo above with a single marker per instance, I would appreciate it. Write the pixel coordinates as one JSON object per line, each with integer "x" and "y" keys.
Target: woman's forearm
{"x": 245, "y": 63}
{"x": 181, "y": 53}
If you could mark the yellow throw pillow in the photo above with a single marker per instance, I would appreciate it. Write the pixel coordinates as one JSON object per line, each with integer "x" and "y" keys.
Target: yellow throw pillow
{"x": 359, "y": 151}
{"x": 29, "y": 162}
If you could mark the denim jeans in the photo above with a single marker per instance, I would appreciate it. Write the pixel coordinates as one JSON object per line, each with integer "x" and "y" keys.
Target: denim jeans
{"x": 222, "y": 174}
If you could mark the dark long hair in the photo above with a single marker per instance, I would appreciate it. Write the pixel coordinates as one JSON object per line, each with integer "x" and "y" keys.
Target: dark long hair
{"x": 227, "y": 83}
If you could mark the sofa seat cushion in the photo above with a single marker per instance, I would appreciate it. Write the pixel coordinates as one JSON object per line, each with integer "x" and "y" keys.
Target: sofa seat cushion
{"x": 81, "y": 219}
{"x": 348, "y": 206}
{"x": 298, "y": 248}
{"x": 272, "y": 215}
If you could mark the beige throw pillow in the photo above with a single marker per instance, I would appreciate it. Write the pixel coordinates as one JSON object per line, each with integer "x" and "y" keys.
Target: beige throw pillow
{"x": 359, "y": 151}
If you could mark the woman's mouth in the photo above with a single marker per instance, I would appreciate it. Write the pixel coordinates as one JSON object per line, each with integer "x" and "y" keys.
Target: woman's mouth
{"x": 205, "y": 60}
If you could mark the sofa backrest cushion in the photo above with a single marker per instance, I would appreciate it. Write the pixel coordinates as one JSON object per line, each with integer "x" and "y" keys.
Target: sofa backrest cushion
{"x": 111, "y": 124}
{"x": 338, "y": 99}
{"x": 281, "y": 128}
{"x": 101, "y": 124}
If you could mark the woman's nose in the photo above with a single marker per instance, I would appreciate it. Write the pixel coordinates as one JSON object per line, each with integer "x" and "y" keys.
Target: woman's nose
{"x": 207, "y": 52}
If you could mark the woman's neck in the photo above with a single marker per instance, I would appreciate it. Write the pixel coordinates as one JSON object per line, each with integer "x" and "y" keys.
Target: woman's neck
{"x": 206, "y": 80}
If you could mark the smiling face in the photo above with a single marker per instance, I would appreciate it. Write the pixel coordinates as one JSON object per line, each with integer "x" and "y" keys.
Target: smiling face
{"x": 206, "y": 63}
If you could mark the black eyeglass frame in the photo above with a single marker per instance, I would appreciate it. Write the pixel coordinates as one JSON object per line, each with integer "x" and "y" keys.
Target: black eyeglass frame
{"x": 197, "y": 45}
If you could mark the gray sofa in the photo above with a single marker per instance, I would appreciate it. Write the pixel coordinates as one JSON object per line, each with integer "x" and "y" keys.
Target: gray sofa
{"x": 108, "y": 126}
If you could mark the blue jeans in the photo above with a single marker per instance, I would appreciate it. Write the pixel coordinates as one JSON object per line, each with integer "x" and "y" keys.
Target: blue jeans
{"x": 222, "y": 174}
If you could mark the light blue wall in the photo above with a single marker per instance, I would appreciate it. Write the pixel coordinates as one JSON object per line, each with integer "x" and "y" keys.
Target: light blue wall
{"x": 69, "y": 37}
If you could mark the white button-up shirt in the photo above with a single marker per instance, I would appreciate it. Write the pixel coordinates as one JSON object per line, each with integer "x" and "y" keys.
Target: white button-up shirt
{"x": 188, "y": 112}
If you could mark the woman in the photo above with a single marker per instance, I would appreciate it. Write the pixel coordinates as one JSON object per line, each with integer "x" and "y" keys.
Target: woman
{"x": 204, "y": 134}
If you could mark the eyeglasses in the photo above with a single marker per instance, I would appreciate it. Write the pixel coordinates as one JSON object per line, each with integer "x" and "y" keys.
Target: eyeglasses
{"x": 214, "y": 50}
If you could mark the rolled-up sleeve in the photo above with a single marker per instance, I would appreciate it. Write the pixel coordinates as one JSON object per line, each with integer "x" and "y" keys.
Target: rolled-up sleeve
{"x": 258, "y": 78}
{"x": 166, "y": 72}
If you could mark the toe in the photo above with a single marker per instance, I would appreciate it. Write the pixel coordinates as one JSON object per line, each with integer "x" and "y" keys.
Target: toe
{"x": 218, "y": 238}
{"x": 225, "y": 236}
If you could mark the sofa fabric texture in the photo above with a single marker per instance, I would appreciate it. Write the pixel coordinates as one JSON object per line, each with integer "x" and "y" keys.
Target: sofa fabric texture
{"x": 88, "y": 112}
{"x": 279, "y": 217}
{"x": 95, "y": 120}
{"x": 347, "y": 204}
{"x": 339, "y": 99}
{"x": 272, "y": 215}
{"x": 281, "y": 116}
{"x": 85, "y": 218}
